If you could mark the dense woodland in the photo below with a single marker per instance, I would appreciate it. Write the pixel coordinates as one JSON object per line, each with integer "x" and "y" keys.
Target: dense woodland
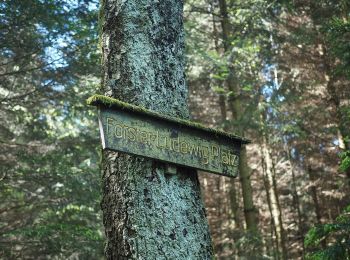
{"x": 276, "y": 72}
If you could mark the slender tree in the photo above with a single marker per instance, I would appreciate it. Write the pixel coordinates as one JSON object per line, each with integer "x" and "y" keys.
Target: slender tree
{"x": 296, "y": 199}
{"x": 148, "y": 213}
{"x": 235, "y": 106}
{"x": 272, "y": 197}
{"x": 234, "y": 205}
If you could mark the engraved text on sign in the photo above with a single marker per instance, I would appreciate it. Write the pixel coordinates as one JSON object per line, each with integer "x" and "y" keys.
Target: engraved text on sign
{"x": 150, "y": 137}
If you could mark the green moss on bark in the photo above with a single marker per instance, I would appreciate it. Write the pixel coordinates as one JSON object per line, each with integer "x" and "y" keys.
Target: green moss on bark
{"x": 100, "y": 100}
{"x": 148, "y": 214}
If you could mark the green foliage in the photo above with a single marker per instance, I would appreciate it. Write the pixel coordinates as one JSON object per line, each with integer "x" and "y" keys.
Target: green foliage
{"x": 337, "y": 32}
{"x": 291, "y": 58}
{"x": 345, "y": 161}
{"x": 49, "y": 152}
{"x": 245, "y": 57}
{"x": 335, "y": 237}
{"x": 49, "y": 148}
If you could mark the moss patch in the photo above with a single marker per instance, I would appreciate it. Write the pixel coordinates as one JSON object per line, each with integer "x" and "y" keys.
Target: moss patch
{"x": 104, "y": 101}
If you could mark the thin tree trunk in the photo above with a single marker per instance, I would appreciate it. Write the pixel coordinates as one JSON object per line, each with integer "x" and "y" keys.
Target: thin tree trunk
{"x": 342, "y": 129}
{"x": 223, "y": 111}
{"x": 334, "y": 98}
{"x": 147, "y": 213}
{"x": 234, "y": 206}
{"x": 222, "y": 104}
{"x": 275, "y": 205}
{"x": 250, "y": 212}
{"x": 280, "y": 228}
{"x": 268, "y": 196}
{"x": 219, "y": 205}
{"x": 296, "y": 201}
{"x": 314, "y": 195}
{"x": 313, "y": 189}
{"x": 271, "y": 185}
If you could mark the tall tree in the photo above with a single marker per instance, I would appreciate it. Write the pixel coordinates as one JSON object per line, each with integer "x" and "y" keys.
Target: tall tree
{"x": 235, "y": 55}
{"x": 148, "y": 213}
{"x": 237, "y": 113}
{"x": 271, "y": 191}
{"x": 311, "y": 57}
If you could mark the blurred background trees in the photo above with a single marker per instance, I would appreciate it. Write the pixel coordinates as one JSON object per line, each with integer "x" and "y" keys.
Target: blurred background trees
{"x": 276, "y": 72}
{"x": 49, "y": 147}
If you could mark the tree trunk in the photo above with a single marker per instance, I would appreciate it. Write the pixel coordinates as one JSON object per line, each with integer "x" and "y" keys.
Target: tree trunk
{"x": 250, "y": 212}
{"x": 223, "y": 112}
{"x": 296, "y": 201}
{"x": 234, "y": 206}
{"x": 275, "y": 246}
{"x": 147, "y": 213}
{"x": 342, "y": 128}
{"x": 313, "y": 190}
{"x": 274, "y": 201}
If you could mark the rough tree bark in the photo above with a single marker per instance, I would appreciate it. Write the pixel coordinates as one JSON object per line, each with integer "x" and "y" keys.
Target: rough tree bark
{"x": 147, "y": 213}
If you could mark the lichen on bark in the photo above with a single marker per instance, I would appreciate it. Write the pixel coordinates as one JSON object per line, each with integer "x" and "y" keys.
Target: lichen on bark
{"x": 148, "y": 214}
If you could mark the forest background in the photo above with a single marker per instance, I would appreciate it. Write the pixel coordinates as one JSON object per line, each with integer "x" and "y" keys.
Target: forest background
{"x": 276, "y": 72}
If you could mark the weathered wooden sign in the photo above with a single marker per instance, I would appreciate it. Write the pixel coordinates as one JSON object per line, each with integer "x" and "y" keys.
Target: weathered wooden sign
{"x": 134, "y": 130}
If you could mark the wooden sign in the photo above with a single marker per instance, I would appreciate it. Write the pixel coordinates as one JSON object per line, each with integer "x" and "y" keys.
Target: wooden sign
{"x": 134, "y": 130}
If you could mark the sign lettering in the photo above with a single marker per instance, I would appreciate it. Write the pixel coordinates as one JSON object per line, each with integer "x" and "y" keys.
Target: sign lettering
{"x": 154, "y": 139}
{"x": 130, "y": 129}
{"x": 143, "y": 135}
